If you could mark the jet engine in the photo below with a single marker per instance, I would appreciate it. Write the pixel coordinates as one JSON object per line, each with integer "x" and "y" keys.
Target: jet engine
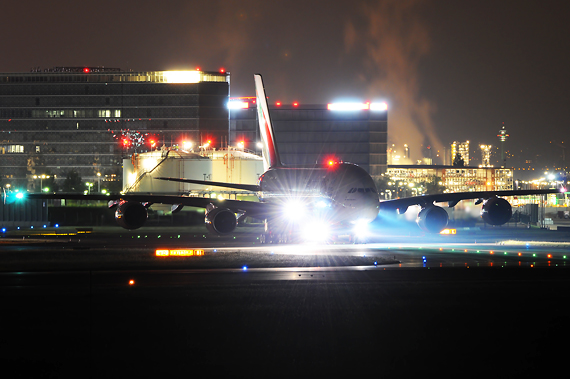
{"x": 221, "y": 221}
{"x": 496, "y": 211}
{"x": 130, "y": 214}
{"x": 432, "y": 219}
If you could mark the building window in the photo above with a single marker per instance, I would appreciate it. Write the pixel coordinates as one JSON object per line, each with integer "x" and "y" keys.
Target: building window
{"x": 13, "y": 149}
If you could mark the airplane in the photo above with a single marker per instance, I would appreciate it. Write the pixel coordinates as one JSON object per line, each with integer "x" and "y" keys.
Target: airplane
{"x": 303, "y": 202}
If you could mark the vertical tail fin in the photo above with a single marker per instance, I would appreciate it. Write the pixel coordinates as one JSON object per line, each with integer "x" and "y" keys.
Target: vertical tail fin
{"x": 270, "y": 153}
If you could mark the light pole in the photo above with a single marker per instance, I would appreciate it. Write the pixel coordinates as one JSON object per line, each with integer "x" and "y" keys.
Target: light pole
{"x": 99, "y": 182}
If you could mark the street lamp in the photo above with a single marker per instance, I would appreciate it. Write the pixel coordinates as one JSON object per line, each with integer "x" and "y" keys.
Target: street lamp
{"x": 41, "y": 178}
{"x": 99, "y": 182}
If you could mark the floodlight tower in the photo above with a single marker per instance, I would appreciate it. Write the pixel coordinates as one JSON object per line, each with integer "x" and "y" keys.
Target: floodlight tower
{"x": 503, "y": 137}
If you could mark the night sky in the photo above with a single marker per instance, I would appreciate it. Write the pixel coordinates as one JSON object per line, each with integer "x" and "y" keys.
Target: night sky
{"x": 449, "y": 70}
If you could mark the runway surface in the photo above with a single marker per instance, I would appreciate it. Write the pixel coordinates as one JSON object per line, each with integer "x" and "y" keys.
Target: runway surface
{"x": 411, "y": 305}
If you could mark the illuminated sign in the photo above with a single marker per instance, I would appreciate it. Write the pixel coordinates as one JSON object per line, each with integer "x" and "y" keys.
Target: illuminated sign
{"x": 448, "y": 231}
{"x": 178, "y": 252}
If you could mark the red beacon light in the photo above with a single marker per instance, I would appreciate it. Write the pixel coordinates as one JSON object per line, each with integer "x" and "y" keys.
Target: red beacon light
{"x": 86, "y": 70}
{"x": 295, "y": 104}
{"x": 278, "y": 103}
{"x": 222, "y": 70}
{"x": 198, "y": 69}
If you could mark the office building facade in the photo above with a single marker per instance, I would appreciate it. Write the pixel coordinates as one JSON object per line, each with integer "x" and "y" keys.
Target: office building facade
{"x": 86, "y": 119}
{"x": 315, "y": 134}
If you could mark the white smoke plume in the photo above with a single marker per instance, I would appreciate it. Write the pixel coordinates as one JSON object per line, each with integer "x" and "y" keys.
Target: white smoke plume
{"x": 394, "y": 40}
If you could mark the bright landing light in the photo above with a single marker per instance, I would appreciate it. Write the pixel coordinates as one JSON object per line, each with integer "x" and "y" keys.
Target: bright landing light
{"x": 294, "y": 210}
{"x": 361, "y": 228}
{"x": 315, "y": 232}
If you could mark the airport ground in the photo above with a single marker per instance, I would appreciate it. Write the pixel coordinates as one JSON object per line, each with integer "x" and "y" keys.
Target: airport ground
{"x": 486, "y": 302}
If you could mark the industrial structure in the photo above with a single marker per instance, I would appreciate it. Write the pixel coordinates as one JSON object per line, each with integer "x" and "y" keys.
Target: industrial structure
{"x": 461, "y": 149}
{"x": 485, "y": 155}
{"x": 454, "y": 179}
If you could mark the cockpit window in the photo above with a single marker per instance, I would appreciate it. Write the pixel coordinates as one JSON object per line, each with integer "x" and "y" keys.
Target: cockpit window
{"x": 361, "y": 190}
{"x": 352, "y": 190}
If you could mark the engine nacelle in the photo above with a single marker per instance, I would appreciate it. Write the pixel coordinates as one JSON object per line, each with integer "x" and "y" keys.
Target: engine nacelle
{"x": 432, "y": 219}
{"x": 130, "y": 214}
{"x": 221, "y": 221}
{"x": 496, "y": 211}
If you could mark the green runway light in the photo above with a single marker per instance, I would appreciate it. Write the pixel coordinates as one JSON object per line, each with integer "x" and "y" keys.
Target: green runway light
{"x": 534, "y": 255}
{"x": 564, "y": 256}
{"x": 505, "y": 253}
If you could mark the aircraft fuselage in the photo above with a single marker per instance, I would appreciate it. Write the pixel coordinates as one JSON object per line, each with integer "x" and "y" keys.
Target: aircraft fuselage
{"x": 345, "y": 192}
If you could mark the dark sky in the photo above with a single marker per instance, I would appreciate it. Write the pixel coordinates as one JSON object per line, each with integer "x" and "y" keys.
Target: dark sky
{"x": 449, "y": 70}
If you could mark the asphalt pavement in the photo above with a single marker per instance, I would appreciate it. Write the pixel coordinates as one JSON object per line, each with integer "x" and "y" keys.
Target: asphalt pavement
{"x": 103, "y": 304}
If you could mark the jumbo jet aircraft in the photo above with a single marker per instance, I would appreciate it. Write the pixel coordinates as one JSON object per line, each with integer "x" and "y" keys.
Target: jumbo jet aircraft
{"x": 303, "y": 202}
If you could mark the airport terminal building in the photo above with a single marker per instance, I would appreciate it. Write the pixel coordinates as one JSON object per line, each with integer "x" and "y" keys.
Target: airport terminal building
{"x": 85, "y": 119}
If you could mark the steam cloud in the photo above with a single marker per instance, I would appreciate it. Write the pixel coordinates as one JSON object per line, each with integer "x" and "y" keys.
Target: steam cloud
{"x": 393, "y": 39}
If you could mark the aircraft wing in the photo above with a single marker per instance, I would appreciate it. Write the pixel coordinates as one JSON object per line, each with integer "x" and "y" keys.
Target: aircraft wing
{"x": 252, "y": 208}
{"x": 246, "y": 187}
{"x": 401, "y": 205}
